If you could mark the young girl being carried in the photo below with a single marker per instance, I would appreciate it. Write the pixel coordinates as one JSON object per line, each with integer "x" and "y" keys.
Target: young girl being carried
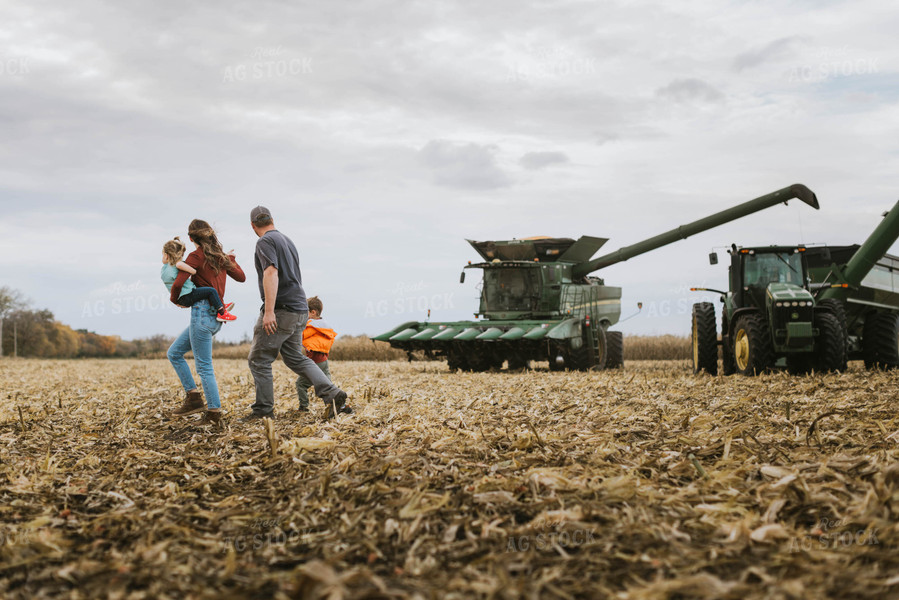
{"x": 172, "y": 253}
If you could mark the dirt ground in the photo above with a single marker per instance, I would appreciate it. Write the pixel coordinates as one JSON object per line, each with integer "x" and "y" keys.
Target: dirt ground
{"x": 643, "y": 483}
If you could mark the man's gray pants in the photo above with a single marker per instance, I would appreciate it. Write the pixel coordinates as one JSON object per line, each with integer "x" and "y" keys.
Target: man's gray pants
{"x": 303, "y": 384}
{"x": 288, "y": 340}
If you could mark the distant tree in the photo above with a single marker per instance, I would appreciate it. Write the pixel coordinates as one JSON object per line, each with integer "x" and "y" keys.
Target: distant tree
{"x": 10, "y": 301}
{"x": 66, "y": 342}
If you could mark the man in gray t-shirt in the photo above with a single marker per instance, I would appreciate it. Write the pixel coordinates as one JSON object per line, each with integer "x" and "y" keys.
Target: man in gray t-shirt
{"x": 282, "y": 319}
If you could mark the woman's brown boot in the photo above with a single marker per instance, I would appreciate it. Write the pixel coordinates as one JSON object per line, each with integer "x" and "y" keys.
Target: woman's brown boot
{"x": 192, "y": 404}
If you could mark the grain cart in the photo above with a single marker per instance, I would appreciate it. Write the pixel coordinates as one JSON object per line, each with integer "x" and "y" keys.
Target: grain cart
{"x": 539, "y": 302}
{"x": 809, "y": 308}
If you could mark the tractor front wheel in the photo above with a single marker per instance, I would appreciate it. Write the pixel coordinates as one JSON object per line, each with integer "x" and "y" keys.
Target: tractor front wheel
{"x": 705, "y": 339}
{"x": 752, "y": 349}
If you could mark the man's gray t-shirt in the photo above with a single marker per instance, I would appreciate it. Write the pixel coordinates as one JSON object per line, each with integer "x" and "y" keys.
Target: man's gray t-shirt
{"x": 275, "y": 248}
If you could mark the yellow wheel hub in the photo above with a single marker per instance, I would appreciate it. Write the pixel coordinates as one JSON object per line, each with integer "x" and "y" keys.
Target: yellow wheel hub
{"x": 741, "y": 349}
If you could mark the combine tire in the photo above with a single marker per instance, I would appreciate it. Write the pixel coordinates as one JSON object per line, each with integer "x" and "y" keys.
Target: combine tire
{"x": 839, "y": 311}
{"x": 456, "y": 360}
{"x": 728, "y": 366}
{"x": 752, "y": 349}
{"x": 585, "y": 358}
{"x": 705, "y": 339}
{"x": 615, "y": 355}
{"x": 516, "y": 363}
{"x": 830, "y": 347}
{"x": 881, "y": 341}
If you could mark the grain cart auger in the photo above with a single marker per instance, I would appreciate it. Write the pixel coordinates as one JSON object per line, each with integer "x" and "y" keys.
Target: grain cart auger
{"x": 538, "y": 301}
{"x": 806, "y": 308}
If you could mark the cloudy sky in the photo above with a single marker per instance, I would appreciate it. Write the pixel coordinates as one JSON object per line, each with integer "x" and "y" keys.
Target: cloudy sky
{"x": 383, "y": 134}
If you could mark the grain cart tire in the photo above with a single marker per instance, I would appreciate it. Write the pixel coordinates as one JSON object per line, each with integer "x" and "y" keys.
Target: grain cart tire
{"x": 584, "y": 359}
{"x": 705, "y": 339}
{"x": 615, "y": 354}
{"x": 839, "y": 311}
{"x": 882, "y": 341}
{"x": 830, "y": 345}
{"x": 752, "y": 349}
{"x": 868, "y": 345}
{"x": 728, "y": 366}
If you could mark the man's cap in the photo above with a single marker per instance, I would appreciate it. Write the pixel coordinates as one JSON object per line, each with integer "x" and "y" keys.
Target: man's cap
{"x": 259, "y": 213}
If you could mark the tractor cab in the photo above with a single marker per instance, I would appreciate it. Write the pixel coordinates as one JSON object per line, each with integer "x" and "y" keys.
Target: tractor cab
{"x": 760, "y": 274}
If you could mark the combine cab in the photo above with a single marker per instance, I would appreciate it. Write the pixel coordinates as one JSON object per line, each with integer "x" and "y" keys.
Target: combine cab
{"x": 539, "y": 302}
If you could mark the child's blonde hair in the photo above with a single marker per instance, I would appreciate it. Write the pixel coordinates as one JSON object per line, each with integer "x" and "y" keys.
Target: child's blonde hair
{"x": 315, "y": 304}
{"x": 174, "y": 250}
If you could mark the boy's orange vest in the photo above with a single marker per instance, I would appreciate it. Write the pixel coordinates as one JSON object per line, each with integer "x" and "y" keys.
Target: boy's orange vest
{"x": 318, "y": 336}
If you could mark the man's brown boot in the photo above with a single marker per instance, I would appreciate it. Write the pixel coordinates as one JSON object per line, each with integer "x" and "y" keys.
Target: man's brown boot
{"x": 192, "y": 405}
{"x": 211, "y": 418}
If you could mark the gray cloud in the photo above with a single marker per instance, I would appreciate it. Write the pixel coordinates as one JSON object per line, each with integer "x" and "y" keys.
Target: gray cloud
{"x": 463, "y": 166}
{"x": 538, "y": 160}
{"x": 768, "y": 52}
{"x": 690, "y": 90}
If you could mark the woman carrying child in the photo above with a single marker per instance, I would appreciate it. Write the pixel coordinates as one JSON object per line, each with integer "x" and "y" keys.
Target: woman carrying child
{"x": 172, "y": 253}
{"x": 212, "y": 267}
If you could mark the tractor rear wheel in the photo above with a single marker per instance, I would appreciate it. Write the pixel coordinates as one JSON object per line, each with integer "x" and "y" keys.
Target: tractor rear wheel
{"x": 705, "y": 339}
{"x": 830, "y": 347}
{"x": 881, "y": 341}
{"x": 615, "y": 354}
{"x": 839, "y": 311}
{"x": 752, "y": 349}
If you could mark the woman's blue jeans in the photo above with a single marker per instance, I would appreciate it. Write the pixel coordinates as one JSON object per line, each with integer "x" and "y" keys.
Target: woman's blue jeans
{"x": 197, "y": 338}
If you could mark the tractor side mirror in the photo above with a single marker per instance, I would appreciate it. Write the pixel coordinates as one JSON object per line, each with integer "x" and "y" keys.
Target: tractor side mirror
{"x": 462, "y": 277}
{"x": 713, "y": 258}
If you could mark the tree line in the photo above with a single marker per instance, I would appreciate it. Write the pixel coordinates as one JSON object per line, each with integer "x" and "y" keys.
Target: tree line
{"x": 36, "y": 333}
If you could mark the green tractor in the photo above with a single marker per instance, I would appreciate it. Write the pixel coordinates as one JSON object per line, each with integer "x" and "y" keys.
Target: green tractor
{"x": 539, "y": 301}
{"x": 804, "y": 308}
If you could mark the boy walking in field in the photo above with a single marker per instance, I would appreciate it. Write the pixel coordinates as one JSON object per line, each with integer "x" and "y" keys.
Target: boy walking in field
{"x": 317, "y": 340}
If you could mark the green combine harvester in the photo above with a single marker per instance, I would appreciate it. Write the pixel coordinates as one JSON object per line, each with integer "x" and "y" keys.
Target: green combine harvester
{"x": 539, "y": 302}
{"x": 804, "y": 308}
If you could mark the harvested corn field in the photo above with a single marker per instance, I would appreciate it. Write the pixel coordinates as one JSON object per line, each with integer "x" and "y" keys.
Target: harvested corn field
{"x": 643, "y": 483}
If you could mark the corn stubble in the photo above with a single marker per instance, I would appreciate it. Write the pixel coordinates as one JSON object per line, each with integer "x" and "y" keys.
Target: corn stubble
{"x": 647, "y": 483}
